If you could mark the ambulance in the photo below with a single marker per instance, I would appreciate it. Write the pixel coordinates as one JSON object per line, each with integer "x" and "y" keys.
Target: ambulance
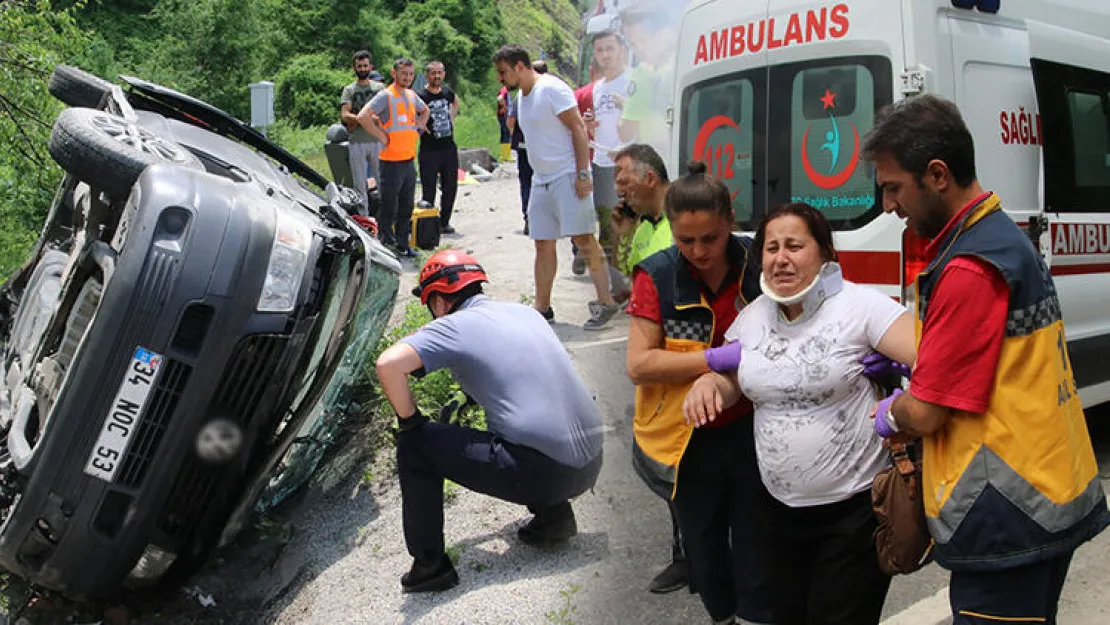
{"x": 777, "y": 95}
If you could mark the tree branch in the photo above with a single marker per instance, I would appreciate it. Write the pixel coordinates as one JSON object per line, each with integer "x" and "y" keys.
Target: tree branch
{"x": 27, "y": 146}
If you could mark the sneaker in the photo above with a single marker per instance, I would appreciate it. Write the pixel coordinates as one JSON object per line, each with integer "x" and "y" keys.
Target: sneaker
{"x": 406, "y": 252}
{"x": 548, "y": 315}
{"x": 600, "y": 314}
{"x": 671, "y": 578}
{"x": 578, "y": 266}
{"x": 549, "y": 526}
{"x": 430, "y": 576}
{"x": 525, "y": 226}
{"x": 447, "y": 230}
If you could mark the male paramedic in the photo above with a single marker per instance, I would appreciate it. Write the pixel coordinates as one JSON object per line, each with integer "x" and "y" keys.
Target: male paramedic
{"x": 1010, "y": 483}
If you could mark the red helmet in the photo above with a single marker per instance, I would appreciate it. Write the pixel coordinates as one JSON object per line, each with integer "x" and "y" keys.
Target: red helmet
{"x": 448, "y": 271}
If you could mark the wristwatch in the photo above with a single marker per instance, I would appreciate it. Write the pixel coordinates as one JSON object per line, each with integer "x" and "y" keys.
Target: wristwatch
{"x": 584, "y": 174}
{"x": 890, "y": 418}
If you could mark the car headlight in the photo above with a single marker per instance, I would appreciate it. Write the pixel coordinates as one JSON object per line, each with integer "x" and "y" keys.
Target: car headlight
{"x": 288, "y": 257}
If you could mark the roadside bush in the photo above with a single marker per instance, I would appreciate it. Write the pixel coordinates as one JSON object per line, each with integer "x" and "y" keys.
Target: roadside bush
{"x": 307, "y": 90}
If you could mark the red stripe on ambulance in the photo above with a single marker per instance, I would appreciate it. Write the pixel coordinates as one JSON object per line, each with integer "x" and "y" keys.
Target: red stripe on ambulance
{"x": 871, "y": 267}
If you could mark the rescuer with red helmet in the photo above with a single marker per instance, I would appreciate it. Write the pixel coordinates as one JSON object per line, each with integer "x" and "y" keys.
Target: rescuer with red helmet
{"x": 542, "y": 445}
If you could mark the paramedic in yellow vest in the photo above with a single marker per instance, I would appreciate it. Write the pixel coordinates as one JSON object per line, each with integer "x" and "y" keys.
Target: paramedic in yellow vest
{"x": 683, "y": 299}
{"x": 397, "y": 116}
{"x": 642, "y": 183}
{"x": 1010, "y": 483}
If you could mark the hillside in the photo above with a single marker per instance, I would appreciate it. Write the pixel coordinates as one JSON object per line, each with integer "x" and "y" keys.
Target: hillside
{"x": 548, "y": 25}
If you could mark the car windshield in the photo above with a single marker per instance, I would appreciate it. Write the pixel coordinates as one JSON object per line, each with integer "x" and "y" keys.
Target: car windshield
{"x": 790, "y": 133}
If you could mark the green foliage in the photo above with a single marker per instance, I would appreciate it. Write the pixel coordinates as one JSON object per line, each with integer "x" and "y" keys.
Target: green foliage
{"x": 33, "y": 38}
{"x": 476, "y": 126}
{"x": 307, "y": 91}
{"x": 301, "y": 142}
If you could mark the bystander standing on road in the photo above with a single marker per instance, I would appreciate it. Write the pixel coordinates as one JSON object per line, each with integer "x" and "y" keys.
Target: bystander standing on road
{"x": 363, "y": 148}
{"x": 524, "y": 168}
{"x": 439, "y": 156}
{"x": 799, "y": 350}
{"x": 683, "y": 300}
{"x": 503, "y": 121}
{"x": 603, "y": 122}
{"x": 1010, "y": 482}
{"x": 396, "y": 116}
{"x": 561, "y": 203}
{"x": 543, "y": 441}
{"x": 584, "y": 96}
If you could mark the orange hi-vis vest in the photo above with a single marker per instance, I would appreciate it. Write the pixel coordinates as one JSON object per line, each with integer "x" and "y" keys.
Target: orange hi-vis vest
{"x": 401, "y": 125}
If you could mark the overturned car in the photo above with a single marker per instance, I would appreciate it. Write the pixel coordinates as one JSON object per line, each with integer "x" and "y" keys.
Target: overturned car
{"x": 191, "y": 295}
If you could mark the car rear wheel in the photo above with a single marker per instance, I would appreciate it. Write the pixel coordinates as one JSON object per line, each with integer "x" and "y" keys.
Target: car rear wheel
{"x": 76, "y": 87}
{"x": 109, "y": 152}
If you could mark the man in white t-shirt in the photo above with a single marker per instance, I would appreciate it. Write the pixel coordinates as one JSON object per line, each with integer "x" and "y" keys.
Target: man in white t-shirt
{"x": 603, "y": 121}
{"x": 561, "y": 204}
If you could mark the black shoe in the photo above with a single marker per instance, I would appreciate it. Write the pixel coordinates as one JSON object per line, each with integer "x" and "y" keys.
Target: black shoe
{"x": 525, "y": 226}
{"x": 406, "y": 252}
{"x": 430, "y": 576}
{"x": 671, "y": 578}
{"x": 548, "y": 315}
{"x": 549, "y": 526}
{"x": 447, "y": 230}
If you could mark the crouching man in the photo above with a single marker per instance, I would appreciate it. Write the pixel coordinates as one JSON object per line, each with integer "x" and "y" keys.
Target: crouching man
{"x": 543, "y": 444}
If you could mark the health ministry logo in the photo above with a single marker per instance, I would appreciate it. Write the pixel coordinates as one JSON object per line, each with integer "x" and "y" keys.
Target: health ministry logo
{"x": 833, "y": 146}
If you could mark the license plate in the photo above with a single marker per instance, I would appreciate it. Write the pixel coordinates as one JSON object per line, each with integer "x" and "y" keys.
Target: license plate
{"x": 123, "y": 417}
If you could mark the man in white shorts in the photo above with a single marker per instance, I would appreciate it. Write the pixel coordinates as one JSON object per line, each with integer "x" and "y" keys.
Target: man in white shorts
{"x": 561, "y": 204}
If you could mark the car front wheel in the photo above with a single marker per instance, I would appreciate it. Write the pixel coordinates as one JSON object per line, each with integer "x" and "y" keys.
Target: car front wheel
{"x": 109, "y": 152}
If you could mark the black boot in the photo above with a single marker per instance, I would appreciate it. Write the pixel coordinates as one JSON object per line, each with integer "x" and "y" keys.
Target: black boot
{"x": 430, "y": 575}
{"x": 671, "y": 578}
{"x": 549, "y": 526}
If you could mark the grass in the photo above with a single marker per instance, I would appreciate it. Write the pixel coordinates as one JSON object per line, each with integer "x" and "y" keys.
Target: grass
{"x": 564, "y": 614}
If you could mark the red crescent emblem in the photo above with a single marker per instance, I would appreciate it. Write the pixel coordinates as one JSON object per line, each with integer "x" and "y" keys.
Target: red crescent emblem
{"x": 707, "y": 129}
{"x": 830, "y": 182}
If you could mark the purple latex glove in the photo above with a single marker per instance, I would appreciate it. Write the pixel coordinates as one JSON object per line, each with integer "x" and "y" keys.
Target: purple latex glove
{"x": 882, "y": 426}
{"x": 878, "y": 366}
{"x": 723, "y": 358}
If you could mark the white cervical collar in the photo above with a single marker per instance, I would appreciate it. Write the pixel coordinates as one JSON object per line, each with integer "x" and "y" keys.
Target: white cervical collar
{"x": 828, "y": 282}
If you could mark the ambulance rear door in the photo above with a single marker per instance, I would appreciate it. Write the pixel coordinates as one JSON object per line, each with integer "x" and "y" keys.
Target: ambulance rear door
{"x": 1071, "y": 71}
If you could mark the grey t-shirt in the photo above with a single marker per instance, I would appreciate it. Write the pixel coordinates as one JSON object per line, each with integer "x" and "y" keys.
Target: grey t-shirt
{"x": 509, "y": 360}
{"x": 357, "y": 96}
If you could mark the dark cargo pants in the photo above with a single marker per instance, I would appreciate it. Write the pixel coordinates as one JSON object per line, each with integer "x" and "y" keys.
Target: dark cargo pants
{"x": 481, "y": 462}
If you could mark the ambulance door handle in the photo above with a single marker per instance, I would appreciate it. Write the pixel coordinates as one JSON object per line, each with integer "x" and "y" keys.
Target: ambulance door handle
{"x": 1038, "y": 225}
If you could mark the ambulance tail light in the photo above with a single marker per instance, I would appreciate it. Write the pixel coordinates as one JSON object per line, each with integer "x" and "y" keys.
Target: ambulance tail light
{"x": 913, "y": 262}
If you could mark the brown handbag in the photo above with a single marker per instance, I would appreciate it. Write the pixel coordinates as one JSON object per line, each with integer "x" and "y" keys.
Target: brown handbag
{"x": 902, "y": 538}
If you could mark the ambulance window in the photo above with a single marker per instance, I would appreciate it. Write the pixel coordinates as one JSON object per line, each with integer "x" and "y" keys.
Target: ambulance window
{"x": 820, "y": 112}
{"x": 1074, "y": 104}
{"x": 720, "y": 127}
{"x": 1090, "y": 123}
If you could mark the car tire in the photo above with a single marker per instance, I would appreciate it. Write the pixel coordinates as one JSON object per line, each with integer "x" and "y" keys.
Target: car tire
{"x": 109, "y": 152}
{"x": 76, "y": 87}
